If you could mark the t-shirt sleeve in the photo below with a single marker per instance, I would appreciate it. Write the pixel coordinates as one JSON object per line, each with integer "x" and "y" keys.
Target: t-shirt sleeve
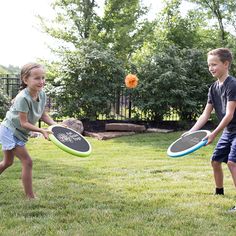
{"x": 21, "y": 104}
{"x": 231, "y": 93}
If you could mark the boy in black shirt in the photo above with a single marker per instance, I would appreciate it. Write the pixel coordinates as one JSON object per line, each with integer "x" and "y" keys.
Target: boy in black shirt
{"x": 221, "y": 98}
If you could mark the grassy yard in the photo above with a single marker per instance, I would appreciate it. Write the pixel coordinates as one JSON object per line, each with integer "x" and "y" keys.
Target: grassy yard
{"x": 128, "y": 186}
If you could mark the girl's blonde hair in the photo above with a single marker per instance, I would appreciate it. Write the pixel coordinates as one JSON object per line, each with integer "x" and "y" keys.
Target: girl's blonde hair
{"x": 25, "y": 72}
{"x": 224, "y": 54}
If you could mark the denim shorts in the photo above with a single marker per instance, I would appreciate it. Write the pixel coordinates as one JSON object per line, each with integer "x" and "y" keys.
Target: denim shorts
{"x": 8, "y": 140}
{"x": 226, "y": 148}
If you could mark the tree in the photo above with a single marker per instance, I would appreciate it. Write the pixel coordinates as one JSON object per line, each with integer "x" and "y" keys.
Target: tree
{"x": 119, "y": 30}
{"x": 75, "y": 20}
{"x": 171, "y": 28}
{"x": 188, "y": 31}
{"x": 222, "y": 10}
{"x": 3, "y": 70}
{"x": 9, "y": 70}
{"x": 124, "y": 27}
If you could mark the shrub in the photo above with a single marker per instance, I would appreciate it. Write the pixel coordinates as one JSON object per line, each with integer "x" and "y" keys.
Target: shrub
{"x": 176, "y": 79}
{"x": 4, "y": 103}
{"x": 88, "y": 80}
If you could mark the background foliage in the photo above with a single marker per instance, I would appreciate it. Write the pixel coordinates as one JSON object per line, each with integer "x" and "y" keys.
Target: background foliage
{"x": 86, "y": 81}
{"x": 4, "y": 103}
{"x": 176, "y": 78}
{"x": 168, "y": 53}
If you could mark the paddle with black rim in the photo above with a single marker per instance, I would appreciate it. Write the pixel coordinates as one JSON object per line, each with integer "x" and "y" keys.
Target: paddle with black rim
{"x": 70, "y": 141}
{"x": 188, "y": 143}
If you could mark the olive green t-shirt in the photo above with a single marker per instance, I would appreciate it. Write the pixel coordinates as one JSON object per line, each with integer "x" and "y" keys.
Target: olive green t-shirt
{"x": 23, "y": 102}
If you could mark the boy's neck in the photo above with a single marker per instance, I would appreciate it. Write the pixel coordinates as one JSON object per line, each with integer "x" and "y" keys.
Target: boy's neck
{"x": 223, "y": 78}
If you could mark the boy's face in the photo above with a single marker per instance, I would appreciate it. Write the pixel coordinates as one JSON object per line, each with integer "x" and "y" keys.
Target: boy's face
{"x": 217, "y": 68}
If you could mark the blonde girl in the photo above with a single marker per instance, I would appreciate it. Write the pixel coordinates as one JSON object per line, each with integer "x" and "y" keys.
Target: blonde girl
{"x": 27, "y": 108}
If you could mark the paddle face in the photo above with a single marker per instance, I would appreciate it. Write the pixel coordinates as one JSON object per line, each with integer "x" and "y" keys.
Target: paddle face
{"x": 189, "y": 143}
{"x": 70, "y": 141}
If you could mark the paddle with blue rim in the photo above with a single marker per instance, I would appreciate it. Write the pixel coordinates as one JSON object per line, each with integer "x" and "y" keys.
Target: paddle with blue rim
{"x": 188, "y": 143}
{"x": 70, "y": 141}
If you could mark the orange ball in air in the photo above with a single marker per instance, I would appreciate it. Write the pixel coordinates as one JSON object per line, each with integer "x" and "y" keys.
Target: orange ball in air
{"x": 131, "y": 81}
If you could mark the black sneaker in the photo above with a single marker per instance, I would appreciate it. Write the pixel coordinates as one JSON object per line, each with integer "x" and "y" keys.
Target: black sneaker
{"x": 219, "y": 191}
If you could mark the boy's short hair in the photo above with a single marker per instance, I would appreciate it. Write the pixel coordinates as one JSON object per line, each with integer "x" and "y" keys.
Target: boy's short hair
{"x": 224, "y": 54}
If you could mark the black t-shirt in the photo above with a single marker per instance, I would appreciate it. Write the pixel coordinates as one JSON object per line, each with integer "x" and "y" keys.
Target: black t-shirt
{"x": 219, "y": 95}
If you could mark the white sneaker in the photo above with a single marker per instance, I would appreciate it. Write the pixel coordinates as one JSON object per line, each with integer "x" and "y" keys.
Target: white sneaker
{"x": 233, "y": 209}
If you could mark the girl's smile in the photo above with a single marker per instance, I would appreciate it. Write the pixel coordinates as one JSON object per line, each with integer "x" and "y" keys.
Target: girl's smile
{"x": 36, "y": 81}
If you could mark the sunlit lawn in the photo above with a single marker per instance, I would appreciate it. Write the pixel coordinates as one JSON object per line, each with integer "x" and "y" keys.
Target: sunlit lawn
{"x": 128, "y": 186}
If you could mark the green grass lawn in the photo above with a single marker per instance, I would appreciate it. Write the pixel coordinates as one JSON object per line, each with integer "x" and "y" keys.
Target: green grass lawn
{"x": 128, "y": 186}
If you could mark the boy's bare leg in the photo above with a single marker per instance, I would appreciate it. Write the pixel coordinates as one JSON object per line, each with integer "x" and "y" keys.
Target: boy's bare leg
{"x": 218, "y": 174}
{"x": 232, "y": 168}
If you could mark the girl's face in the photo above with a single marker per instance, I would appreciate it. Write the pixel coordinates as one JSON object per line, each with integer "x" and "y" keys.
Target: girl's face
{"x": 36, "y": 80}
{"x": 217, "y": 68}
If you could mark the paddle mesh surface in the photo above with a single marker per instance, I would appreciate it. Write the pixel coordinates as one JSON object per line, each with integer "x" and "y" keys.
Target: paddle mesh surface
{"x": 188, "y": 141}
{"x": 70, "y": 139}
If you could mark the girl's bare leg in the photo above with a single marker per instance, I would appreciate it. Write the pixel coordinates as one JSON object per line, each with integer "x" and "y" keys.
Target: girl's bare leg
{"x": 8, "y": 159}
{"x": 27, "y": 164}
